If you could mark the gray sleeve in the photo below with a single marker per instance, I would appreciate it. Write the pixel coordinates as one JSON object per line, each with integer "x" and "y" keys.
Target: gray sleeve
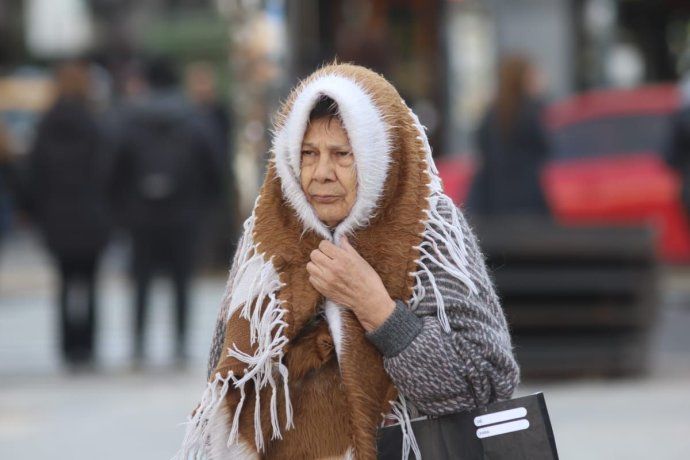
{"x": 397, "y": 332}
{"x": 471, "y": 365}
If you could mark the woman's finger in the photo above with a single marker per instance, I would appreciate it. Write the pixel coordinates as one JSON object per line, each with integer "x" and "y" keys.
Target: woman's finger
{"x": 313, "y": 269}
{"x": 349, "y": 249}
{"x": 316, "y": 283}
{"x": 329, "y": 249}
{"x": 320, "y": 259}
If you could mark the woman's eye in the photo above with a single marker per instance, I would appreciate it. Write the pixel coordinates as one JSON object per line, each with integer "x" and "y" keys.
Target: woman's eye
{"x": 307, "y": 153}
{"x": 343, "y": 153}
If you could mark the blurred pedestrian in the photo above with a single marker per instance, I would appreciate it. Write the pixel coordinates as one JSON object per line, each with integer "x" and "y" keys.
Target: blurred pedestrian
{"x": 513, "y": 146}
{"x": 678, "y": 154}
{"x": 165, "y": 174}
{"x": 65, "y": 170}
{"x": 5, "y": 180}
{"x": 202, "y": 90}
{"x": 201, "y": 85}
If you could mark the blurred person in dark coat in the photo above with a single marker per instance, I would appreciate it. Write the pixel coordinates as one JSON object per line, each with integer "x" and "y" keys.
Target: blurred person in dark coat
{"x": 164, "y": 177}
{"x": 202, "y": 90}
{"x": 5, "y": 180}
{"x": 678, "y": 150}
{"x": 201, "y": 86}
{"x": 65, "y": 171}
{"x": 513, "y": 146}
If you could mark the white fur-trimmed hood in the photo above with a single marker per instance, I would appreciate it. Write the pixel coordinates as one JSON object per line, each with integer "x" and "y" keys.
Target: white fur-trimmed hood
{"x": 370, "y": 140}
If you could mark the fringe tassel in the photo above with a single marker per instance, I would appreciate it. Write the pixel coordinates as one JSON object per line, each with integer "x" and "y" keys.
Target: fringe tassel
{"x": 252, "y": 287}
{"x": 275, "y": 426}
{"x": 401, "y": 415}
{"x": 267, "y": 327}
{"x": 233, "y": 438}
{"x": 282, "y": 368}
{"x": 258, "y": 432}
{"x": 211, "y": 400}
{"x": 437, "y": 228}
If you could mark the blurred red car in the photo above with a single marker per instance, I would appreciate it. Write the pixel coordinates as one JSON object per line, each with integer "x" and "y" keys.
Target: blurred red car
{"x": 608, "y": 165}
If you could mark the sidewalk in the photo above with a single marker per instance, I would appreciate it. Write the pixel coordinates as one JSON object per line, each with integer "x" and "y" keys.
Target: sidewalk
{"x": 28, "y": 316}
{"x": 118, "y": 414}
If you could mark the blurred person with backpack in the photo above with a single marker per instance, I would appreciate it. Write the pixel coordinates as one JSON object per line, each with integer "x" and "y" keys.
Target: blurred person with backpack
{"x": 165, "y": 175}
{"x": 65, "y": 168}
{"x": 513, "y": 146}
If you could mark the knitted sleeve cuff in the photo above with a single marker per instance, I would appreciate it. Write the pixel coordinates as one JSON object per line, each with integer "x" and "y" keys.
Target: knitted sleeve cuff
{"x": 397, "y": 332}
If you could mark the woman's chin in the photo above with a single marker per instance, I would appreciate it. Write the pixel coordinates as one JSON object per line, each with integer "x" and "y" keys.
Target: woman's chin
{"x": 330, "y": 220}
{"x": 331, "y": 223}
{"x": 330, "y": 214}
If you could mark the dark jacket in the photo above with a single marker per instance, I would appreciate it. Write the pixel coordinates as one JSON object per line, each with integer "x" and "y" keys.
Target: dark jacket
{"x": 678, "y": 155}
{"x": 507, "y": 182}
{"x": 166, "y": 170}
{"x": 66, "y": 177}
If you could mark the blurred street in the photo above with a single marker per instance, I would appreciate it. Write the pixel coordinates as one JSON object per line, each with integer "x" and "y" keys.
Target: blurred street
{"x": 118, "y": 413}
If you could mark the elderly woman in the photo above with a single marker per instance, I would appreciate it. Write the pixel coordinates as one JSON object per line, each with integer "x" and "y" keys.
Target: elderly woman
{"x": 358, "y": 288}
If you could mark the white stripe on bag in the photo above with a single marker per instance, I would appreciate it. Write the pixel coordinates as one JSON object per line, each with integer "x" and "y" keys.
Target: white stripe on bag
{"x": 496, "y": 417}
{"x": 503, "y": 428}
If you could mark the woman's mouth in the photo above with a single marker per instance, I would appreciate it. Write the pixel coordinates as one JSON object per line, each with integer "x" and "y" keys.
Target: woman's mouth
{"x": 325, "y": 198}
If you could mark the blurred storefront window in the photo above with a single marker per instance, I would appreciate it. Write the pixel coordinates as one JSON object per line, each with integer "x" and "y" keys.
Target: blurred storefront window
{"x": 472, "y": 65}
{"x": 258, "y": 58}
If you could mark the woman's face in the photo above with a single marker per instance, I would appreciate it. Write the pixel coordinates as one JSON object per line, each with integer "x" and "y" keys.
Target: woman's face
{"x": 328, "y": 175}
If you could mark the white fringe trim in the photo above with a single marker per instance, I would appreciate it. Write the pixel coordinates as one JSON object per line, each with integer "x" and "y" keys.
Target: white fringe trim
{"x": 454, "y": 260}
{"x": 401, "y": 415}
{"x": 254, "y": 283}
{"x": 216, "y": 446}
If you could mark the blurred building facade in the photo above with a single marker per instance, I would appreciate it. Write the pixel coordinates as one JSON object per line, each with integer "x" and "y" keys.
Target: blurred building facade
{"x": 441, "y": 54}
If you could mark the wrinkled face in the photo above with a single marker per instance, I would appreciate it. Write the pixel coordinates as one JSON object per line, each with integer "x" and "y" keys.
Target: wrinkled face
{"x": 328, "y": 176}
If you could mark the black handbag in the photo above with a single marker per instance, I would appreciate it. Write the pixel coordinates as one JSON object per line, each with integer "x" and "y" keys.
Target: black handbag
{"x": 517, "y": 429}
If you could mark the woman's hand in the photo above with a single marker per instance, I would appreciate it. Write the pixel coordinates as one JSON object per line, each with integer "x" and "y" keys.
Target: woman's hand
{"x": 343, "y": 276}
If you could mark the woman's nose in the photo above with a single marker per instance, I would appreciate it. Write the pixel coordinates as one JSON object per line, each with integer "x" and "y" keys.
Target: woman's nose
{"x": 324, "y": 168}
